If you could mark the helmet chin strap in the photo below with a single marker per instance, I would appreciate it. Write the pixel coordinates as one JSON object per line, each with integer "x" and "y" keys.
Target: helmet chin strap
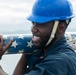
{"x": 53, "y": 32}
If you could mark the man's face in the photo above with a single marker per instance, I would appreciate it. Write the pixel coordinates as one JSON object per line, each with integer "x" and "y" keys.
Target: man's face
{"x": 41, "y": 33}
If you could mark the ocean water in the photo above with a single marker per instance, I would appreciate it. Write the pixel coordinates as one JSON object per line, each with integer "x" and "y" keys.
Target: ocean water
{"x": 9, "y": 62}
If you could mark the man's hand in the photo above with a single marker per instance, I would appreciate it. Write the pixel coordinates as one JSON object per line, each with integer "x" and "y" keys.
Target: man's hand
{"x": 2, "y": 47}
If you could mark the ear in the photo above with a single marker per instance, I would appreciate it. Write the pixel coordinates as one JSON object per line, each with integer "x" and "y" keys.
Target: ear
{"x": 61, "y": 28}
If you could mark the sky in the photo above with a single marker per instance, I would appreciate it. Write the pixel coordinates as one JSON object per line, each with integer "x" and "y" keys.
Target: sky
{"x": 13, "y": 15}
{"x": 72, "y": 26}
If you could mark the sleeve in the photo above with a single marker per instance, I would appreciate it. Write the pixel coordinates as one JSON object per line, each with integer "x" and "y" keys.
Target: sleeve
{"x": 50, "y": 67}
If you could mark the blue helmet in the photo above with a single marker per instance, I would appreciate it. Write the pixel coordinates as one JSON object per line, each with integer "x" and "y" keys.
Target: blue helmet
{"x": 48, "y": 10}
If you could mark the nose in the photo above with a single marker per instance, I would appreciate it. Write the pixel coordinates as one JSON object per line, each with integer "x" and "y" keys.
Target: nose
{"x": 34, "y": 29}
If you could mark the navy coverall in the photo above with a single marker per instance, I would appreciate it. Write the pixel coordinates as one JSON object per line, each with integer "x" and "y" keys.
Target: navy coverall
{"x": 60, "y": 59}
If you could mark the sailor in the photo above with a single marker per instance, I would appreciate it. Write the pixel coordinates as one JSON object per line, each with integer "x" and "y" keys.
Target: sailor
{"x": 50, "y": 19}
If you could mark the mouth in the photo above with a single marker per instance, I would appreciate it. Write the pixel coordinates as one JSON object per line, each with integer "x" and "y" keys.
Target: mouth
{"x": 36, "y": 39}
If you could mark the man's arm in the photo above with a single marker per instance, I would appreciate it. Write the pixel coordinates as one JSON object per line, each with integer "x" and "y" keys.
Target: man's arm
{"x": 21, "y": 66}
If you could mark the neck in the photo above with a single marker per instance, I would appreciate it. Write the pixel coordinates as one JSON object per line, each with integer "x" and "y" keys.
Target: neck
{"x": 52, "y": 43}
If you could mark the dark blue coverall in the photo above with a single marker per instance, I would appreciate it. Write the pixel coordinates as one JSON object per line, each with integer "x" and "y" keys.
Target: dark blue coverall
{"x": 60, "y": 59}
